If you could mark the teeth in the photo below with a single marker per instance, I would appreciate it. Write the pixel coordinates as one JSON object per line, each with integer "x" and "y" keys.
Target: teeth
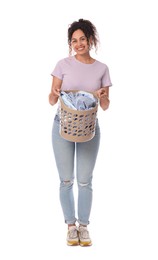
{"x": 80, "y": 49}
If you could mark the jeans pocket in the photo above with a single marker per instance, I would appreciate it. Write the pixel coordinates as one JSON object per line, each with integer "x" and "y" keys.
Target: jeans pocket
{"x": 56, "y": 118}
{"x": 97, "y": 128}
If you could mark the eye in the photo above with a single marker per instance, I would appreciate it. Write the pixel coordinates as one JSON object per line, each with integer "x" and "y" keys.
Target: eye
{"x": 73, "y": 41}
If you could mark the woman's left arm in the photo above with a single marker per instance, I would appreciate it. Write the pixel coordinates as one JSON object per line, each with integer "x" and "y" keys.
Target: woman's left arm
{"x": 103, "y": 95}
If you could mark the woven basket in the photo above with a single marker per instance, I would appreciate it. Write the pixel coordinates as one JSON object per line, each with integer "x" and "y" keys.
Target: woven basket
{"x": 77, "y": 125}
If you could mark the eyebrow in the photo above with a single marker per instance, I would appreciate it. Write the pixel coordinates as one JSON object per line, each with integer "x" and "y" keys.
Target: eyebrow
{"x": 79, "y": 38}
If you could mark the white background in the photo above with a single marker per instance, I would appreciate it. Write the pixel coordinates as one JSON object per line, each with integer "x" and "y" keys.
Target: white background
{"x": 124, "y": 213}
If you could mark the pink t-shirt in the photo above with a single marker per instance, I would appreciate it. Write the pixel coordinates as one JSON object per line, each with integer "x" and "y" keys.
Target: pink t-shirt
{"x": 76, "y": 75}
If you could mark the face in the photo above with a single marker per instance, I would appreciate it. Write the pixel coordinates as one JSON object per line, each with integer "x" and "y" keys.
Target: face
{"x": 79, "y": 42}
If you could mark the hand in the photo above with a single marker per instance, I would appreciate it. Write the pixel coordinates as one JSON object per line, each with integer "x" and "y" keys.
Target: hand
{"x": 53, "y": 96}
{"x": 55, "y": 92}
{"x": 101, "y": 93}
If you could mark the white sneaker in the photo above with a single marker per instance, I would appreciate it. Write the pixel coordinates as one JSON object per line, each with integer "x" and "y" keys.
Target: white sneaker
{"x": 72, "y": 236}
{"x": 84, "y": 236}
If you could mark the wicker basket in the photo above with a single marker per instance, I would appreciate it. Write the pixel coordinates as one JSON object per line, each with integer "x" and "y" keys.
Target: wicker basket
{"x": 77, "y": 125}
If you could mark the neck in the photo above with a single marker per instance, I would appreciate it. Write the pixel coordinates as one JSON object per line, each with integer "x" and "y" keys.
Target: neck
{"x": 85, "y": 58}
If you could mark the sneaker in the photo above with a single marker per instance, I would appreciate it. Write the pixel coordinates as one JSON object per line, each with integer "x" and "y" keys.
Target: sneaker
{"x": 84, "y": 236}
{"x": 72, "y": 236}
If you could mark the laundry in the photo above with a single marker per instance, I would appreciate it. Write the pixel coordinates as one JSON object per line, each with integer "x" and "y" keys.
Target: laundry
{"x": 80, "y": 100}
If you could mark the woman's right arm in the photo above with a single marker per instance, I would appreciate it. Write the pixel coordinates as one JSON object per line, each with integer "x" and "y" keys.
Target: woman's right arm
{"x": 55, "y": 90}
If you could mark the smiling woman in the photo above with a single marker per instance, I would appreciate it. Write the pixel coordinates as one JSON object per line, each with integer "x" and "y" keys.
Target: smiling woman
{"x": 87, "y": 33}
{"x": 79, "y": 72}
{"x": 81, "y": 46}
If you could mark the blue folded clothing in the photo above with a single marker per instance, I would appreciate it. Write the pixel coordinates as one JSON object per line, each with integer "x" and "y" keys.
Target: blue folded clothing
{"x": 80, "y": 100}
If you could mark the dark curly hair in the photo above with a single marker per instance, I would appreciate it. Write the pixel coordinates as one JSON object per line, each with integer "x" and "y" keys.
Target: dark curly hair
{"x": 88, "y": 29}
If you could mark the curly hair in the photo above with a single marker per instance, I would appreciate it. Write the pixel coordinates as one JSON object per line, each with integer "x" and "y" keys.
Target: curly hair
{"x": 88, "y": 29}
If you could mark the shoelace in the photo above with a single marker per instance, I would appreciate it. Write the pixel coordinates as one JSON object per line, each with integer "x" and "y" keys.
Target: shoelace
{"x": 73, "y": 233}
{"x": 84, "y": 233}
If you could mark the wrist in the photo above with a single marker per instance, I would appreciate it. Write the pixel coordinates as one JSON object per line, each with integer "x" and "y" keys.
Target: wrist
{"x": 104, "y": 97}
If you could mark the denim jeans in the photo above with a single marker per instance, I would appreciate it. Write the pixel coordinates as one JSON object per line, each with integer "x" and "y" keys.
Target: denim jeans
{"x": 75, "y": 160}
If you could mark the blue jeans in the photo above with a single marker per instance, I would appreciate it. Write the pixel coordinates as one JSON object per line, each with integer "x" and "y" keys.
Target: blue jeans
{"x": 83, "y": 157}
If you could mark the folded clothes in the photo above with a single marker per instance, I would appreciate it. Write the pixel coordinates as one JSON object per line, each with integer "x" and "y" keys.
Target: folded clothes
{"x": 80, "y": 100}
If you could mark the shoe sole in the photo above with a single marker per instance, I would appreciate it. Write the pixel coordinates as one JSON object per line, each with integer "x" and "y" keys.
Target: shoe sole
{"x": 85, "y": 244}
{"x": 72, "y": 243}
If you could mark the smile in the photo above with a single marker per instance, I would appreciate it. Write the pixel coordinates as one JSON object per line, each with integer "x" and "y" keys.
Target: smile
{"x": 80, "y": 49}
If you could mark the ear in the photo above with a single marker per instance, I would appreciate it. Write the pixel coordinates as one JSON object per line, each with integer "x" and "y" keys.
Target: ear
{"x": 90, "y": 42}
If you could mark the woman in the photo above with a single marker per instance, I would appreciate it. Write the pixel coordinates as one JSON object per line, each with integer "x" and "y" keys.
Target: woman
{"x": 78, "y": 72}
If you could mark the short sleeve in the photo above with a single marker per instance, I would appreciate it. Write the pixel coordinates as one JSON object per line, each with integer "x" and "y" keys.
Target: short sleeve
{"x": 106, "y": 80}
{"x": 57, "y": 72}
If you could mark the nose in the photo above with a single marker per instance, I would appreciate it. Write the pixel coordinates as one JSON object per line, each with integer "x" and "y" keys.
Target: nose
{"x": 79, "y": 43}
